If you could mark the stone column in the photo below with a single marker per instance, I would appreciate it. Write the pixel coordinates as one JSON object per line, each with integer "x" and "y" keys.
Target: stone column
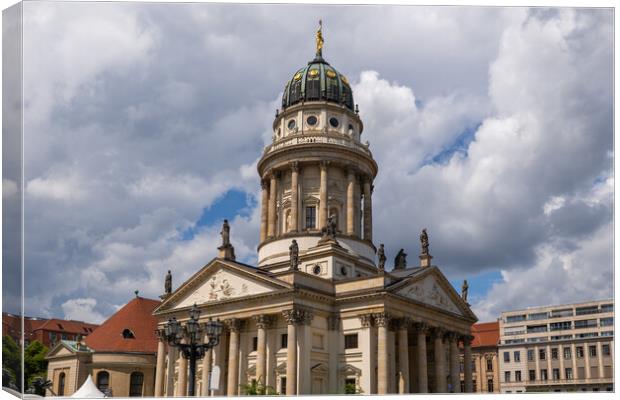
{"x": 440, "y": 361}
{"x": 160, "y": 369}
{"x": 586, "y": 358}
{"x": 323, "y": 210}
{"x": 403, "y": 360}
{"x": 273, "y": 187}
{"x": 382, "y": 321}
{"x": 182, "y": 380}
{"x": 351, "y": 202}
{"x": 367, "y": 210}
{"x": 234, "y": 325}
{"x": 573, "y": 357}
{"x": 333, "y": 346}
{"x": 294, "y": 196}
{"x": 264, "y": 213}
{"x": 293, "y": 318}
{"x": 455, "y": 374}
{"x": 262, "y": 324}
{"x": 599, "y": 354}
{"x": 467, "y": 363}
{"x": 172, "y": 360}
{"x": 421, "y": 330}
{"x": 206, "y": 368}
{"x": 368, "y": 345}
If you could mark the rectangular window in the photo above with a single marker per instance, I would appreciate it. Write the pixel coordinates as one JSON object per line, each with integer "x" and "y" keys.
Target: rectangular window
{"x": 283, "y": 384}
{"x": 586, "y": 310}
{"x": 592, "y": 351}
{"x": 350, "y": 341}
{"x": 506, "y": 356}
{"x": 517, "y": 356}
{"x": 310, "y": 217}
{"x": 543, "y": 374}
{"x": 518, "y": 376}
{"x": 560, "y": 326}
{"x": 530, "y": 355}
{"x": 515, "y": 318}
{"x": 284, "y": 341}
{"x": 490, "y": 385}
{"x": 461, "y": 366}
{"x": 532, "y": 374}
{"x": 542, "y": 354}
{"x": 607, "y": 321}
{"x": 489, "y": 364}
{"x": 535, "y": 316}
{"x": 579, "y": 351}
{"x": 556, "y": 374}
{"x": 581, "y": 373}
{"x": 585, "y": 323}
{"x": 254, "y": 343}
{"x": 607, "y": 308}
{"x": 606, "y": 350}
{"x": 567, "y": 353}
{"x": 507, "y": 376}
{"x": 554, "y": 353}
{"x": 536, "y": 328}
{"x": 568, "y": 373}
{"x": 594, "y": 372}
{"x": 567, "y": 312}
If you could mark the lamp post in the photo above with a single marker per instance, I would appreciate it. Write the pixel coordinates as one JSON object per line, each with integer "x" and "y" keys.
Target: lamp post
{"x": 193, "y": 332}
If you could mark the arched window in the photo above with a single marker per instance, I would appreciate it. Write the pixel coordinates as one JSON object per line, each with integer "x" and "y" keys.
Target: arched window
{"x": 128, "y": 334}
{"x": 135, "y": 384}
{"x": 103, "y": 381}
{"x": 61, "y": 384}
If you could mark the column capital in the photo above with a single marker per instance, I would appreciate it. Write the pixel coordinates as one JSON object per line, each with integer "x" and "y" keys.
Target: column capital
{"x": 264, "y": 184}
{"x": 323, "y": 164}
{"x": 437, "y": 332}
{"x": 452, "y": 336}
{"x": 234, "y": 324}
{"x": 401, "y": 323}
{"x": 297, "y": 316}
{"x": 294, "y": 166}
{"x": 382, "y": 319}
{"x": 263, "y": 321}
{"x": 366, "y": 320}
{"x": 467, "y": 339}
{"x": 421, "y": 327}
{"x": 333, "y": 322}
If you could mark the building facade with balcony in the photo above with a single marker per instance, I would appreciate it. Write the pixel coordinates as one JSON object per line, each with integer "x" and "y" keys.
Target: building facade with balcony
{"x": 566, "y": 347}
{"x": 321, "y": 312}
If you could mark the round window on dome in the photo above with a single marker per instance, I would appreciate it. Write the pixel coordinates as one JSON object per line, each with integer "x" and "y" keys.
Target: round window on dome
{"x": 291, "y": 124}
{"x": 312, "y": 120}
{"x": 333, "y": 121}
{"x": 316, "y": 270}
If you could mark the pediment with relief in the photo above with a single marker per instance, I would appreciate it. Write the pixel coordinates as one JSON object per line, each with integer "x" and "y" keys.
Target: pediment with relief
{"x": 428, "y": 290}
{"x": 222, "y": 284}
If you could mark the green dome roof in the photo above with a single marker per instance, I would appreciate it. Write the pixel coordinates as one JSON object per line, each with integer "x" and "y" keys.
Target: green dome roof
{"x": 318, "y": 81}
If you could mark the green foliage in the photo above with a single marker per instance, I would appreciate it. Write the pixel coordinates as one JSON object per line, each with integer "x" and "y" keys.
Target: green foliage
{"x": 11, "y": 363}
{"x": 256, "y": 388}
{"x": 35, "y": 365}
{"x": 352, "y": 388}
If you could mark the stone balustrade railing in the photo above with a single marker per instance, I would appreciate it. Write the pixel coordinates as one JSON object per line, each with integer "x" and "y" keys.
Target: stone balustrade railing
{"x": 314, "y": 138}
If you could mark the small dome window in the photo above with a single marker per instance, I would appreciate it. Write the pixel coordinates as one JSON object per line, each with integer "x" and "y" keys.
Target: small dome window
{"x": 313, "y": 73}
{"x": 343, "y": 271}
{"x": 291, "y": 124}
{"x": 330, "y": 74}
{"x": 351, "y": 130}
{"x": 297, "y": 76}
{"x": 312, "y": 120}
{"x": 333, "y": 121}
{"x": 316, "y": 270}
{"x": 128, "y": 334}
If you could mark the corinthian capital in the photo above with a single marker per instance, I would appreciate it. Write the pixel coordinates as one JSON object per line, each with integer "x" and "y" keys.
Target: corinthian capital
{"x": 263, "y": 321}
{"x": 382, "y": 319}
{"x": 234, "y": 324}
{"x": 297, "y": 316}
{"x": 366, "y": 320}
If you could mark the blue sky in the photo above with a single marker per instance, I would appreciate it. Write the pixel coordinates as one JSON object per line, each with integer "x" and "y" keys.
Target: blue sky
{"x": 145, "y": 121}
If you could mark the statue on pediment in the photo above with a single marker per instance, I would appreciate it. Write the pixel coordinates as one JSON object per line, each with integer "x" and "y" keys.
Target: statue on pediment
{"x": 464, "y": 290}
{"x": 294, "y": 255}
{"x": 400, "y": 261}
{"x": 382, "y": 258}
{"x": 225, "y": 234}
{"x": 168, "y": 283}
{"x": 424, "y": 241}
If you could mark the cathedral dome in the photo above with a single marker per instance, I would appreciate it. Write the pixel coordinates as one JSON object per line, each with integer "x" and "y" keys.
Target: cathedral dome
{"x": 318, "y": 81}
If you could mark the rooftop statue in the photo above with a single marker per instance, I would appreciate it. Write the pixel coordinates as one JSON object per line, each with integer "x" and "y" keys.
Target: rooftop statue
{"x": 400, "y": 262}
{"x": 424, "y": 241}
{"x": 225, "y": 234}
{"x": 168, "y": 283}
{"x": 382, "y": 258}
{"x": 294, "y": 255}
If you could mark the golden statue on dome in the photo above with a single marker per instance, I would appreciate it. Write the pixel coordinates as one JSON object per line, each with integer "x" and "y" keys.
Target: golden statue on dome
{"x": 319, "y": 39}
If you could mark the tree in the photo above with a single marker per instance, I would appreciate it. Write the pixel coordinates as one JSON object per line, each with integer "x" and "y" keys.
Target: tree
{"x": 11, "y": 363}
{"x": 256, "y": 388}
{"x": 35, "y": 364}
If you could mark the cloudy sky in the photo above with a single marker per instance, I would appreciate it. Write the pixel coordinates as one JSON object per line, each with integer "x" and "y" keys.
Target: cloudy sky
{"x": 492, "y": 128}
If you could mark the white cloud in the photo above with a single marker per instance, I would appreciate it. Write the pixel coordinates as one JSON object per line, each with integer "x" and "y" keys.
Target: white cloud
{"x": 82, "y": 309}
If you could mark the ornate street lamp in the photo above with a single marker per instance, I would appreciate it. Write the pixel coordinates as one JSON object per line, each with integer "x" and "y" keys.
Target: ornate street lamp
{"x": 193, "y": 349}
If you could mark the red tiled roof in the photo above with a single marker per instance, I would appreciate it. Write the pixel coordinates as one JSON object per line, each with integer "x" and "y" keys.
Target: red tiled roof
{"x": 137, "y": 316}
{"x": 485, "y": 334}
{"x": 63, "y": 325}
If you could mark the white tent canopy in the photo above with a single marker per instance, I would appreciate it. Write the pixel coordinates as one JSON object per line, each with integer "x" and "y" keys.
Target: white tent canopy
{"x": 88, "y": 390}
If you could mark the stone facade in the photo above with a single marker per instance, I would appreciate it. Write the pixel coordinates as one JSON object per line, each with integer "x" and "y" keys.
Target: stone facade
{"x": 565, "y": 347}
{"x": 317, "y": 316}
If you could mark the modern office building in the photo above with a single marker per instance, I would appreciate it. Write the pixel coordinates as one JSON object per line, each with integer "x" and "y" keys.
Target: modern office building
{"x": 565, "y": 347}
